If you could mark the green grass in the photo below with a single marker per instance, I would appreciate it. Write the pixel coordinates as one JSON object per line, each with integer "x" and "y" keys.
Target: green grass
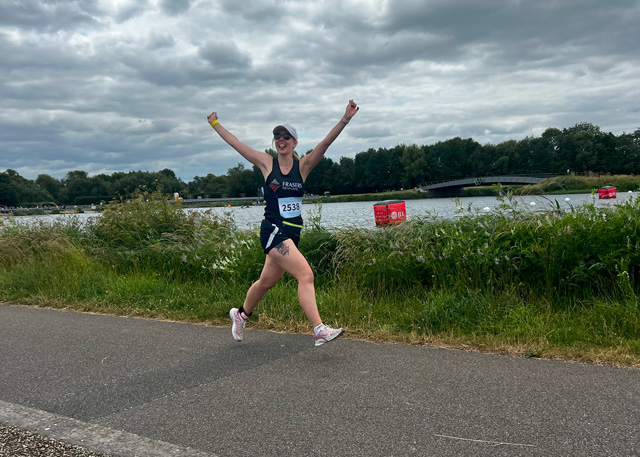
{"x": 552, "y": 284}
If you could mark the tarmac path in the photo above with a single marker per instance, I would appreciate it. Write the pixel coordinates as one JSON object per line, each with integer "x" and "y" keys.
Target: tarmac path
{"x": 137, "y": 387}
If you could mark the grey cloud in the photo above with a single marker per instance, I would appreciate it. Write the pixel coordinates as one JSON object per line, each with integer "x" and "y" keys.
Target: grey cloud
{"x": 521, "y": 30}
{"x": 36, "y": 55}
{"x": 221, "y": 55}
{"x": 184, "y": 71}
{"x": 370, "y": 131}
{"x": 49, "y": 16}
{"x": 175, "y": 7}
{"x": 158, "y": 41}
{"x": 262, "y": 11}
{"x": 131, "y": 10}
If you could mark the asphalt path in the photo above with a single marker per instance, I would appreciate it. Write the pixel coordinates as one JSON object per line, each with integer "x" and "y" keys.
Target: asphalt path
{"x": 137, "y": 387}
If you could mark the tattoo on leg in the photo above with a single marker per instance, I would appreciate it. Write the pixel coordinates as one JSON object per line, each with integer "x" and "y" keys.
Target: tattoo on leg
{"x": 282, "y": 248}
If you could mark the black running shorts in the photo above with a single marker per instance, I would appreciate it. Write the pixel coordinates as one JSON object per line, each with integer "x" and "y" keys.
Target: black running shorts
{"x": 273, "y": 232}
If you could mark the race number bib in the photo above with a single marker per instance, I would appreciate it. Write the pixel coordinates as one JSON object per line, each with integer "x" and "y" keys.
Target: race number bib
{"x": 290, "y": 207}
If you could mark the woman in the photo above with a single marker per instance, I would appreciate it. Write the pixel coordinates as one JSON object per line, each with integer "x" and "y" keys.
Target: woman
{"x": 280, "y": 230}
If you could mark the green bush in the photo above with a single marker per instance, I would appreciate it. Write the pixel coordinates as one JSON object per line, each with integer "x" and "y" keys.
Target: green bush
{"x": 147, "y": 233}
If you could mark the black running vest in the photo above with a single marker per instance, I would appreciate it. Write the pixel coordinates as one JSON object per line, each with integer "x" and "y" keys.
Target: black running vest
{"x": 283, "y": 194}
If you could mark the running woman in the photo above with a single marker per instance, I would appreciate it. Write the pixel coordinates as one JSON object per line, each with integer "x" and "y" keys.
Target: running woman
{"x": 280, "y": 230}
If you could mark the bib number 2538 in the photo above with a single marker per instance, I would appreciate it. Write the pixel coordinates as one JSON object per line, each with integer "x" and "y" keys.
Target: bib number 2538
{"x": 290, "y": 207}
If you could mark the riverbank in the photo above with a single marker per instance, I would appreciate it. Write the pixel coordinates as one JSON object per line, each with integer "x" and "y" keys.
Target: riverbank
{"x": 560, "y": 283}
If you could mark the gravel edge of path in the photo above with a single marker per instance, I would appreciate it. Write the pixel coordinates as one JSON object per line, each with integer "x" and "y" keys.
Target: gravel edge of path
{"x": 15, "y": 442}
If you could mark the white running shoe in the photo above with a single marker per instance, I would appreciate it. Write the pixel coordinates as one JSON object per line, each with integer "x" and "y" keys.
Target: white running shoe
{"x": 327, "y": 334}
{"x": 237, "y": 325}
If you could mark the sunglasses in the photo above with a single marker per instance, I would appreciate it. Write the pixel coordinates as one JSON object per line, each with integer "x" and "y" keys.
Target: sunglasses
{"x": 286, "y": 136}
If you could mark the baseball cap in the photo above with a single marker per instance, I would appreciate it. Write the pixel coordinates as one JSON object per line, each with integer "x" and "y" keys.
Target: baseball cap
{"x": 289, "y": 128}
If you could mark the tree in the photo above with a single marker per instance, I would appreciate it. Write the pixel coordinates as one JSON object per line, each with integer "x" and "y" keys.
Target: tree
{"x": 414, "y": 162}
{"x": 345, "y": 176}
{"x": 322, "y": 178}
{"x": 8, "y": 192}
{"x": 52, "y": 186}
{"x": 76, "y": 184}
{"x": 627, "y": 152}
{"x": 377, "y": 171}
{"x": 242, "y": 182}
{"x": 18, "y": 191}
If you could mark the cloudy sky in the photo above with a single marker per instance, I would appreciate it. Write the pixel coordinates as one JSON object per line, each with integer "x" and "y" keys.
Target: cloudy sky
{"x": 121, "y": 85}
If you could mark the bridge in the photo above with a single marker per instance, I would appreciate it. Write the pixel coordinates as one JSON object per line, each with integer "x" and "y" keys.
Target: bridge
{"x": 452, "y": 184}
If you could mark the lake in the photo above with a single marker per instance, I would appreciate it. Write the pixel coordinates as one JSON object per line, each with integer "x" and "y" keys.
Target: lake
{"x": 360, "y": 214}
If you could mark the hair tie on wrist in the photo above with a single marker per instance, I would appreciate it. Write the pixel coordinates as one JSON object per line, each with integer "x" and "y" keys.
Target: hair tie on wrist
{"x": 213, "y": 122}
{"x": 346, "y": 121}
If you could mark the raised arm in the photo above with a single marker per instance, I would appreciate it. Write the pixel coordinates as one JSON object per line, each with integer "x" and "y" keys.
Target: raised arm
{"x": 261, "y": 160}
{"x": 308, "y": 162}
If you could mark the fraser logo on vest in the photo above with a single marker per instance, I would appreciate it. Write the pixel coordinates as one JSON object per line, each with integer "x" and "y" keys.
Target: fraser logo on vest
{"x": 275, "y": 185}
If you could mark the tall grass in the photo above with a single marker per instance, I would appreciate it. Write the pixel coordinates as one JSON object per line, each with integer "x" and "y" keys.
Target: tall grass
{"x": 562, "y": 256}
{"x": 552, "y": 282}
{"x": 148, "y": 234}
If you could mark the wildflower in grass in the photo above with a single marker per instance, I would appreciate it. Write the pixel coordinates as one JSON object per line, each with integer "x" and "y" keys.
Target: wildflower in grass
{"x": 420, "y": 258}
{"x": 480, "y": 252}
{"x": 496, "y": 261}
{"x": 184, "y": 258}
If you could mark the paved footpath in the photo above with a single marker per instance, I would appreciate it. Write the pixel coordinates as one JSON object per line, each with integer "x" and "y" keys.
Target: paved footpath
{"x": 136, "y": 387}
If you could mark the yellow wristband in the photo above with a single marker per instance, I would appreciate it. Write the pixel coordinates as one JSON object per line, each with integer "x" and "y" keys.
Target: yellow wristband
{"x": 214, "y": 122}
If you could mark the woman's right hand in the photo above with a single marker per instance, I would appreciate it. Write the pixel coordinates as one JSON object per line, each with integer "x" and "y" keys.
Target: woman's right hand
{"x": 212, "y": 117}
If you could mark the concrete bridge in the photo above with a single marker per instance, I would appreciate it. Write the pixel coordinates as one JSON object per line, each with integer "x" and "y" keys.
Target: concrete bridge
{"x": 453, "y": 184}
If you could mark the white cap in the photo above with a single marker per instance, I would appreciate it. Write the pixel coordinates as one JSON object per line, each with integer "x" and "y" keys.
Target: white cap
{"x": 289, "y": 128}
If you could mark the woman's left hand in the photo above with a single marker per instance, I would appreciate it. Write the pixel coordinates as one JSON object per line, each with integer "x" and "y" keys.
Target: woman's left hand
{"x": 351, "y": 111}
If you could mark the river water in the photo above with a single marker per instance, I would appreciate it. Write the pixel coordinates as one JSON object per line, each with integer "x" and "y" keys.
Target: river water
{"x": 360, "y": 214}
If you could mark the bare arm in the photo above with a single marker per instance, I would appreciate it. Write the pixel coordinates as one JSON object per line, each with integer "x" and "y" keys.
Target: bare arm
{"x": 308, "y": 162}
{"x": 261, "y": 160}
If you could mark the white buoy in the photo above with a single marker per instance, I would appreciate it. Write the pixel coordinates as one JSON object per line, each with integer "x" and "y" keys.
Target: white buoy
{"x": 486, "y": 209}
{"x": 567, "y": 199}
{"x": 532, "y": 204}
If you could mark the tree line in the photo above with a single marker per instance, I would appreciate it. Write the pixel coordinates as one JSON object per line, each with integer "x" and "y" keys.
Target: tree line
{"x": 581, "y": 148}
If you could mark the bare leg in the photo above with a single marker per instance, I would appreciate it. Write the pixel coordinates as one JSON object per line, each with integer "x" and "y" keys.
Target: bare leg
{"x": 287, "y": 257}
{"x": 271, "y": 274}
